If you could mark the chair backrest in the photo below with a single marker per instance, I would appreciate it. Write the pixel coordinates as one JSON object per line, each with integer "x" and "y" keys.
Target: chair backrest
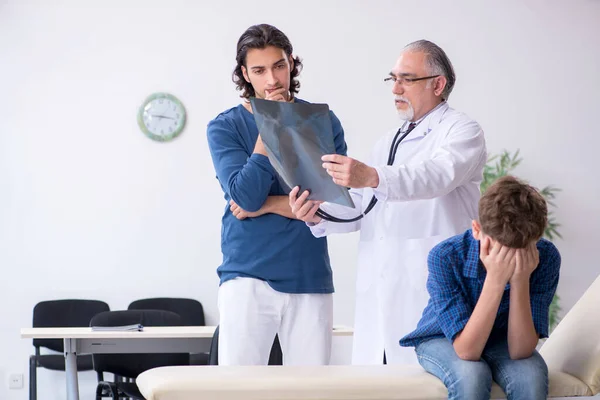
{"x": 574, "y": 345}
{"x": 275, "y": 358}
{"x": 64, "y": 314}
{"x": 190, "y": 310}
{"x": 131, "y": 365}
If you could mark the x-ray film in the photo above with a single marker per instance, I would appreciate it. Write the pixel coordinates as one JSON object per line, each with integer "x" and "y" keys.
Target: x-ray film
{"x": 296, "y": 136}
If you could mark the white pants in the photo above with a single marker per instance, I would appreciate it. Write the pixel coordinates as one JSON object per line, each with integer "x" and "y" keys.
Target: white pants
{"x": 252, "y": 313}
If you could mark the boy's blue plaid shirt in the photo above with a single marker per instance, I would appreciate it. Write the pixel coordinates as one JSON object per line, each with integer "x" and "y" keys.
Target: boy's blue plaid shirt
{"x": 455, "y": 281}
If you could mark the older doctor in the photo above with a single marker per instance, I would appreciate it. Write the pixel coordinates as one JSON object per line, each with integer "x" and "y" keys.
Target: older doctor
{"x": 425, "y": 179}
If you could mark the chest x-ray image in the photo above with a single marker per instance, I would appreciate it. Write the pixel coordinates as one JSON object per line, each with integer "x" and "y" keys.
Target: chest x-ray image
{"x": 296, "y": 136}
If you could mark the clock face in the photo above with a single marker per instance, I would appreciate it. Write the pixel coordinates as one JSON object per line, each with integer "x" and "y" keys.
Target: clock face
{"x": 161, "y": 117}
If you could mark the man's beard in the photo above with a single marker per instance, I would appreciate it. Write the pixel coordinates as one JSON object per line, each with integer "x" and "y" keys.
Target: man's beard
{"x": 407, "y": 114}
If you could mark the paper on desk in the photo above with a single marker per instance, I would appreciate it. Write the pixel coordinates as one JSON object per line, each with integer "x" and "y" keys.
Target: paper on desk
{"x": 134, "y": 327}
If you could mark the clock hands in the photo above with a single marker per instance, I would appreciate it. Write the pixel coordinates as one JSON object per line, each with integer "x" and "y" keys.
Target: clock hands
{"x": 162, "y": 116}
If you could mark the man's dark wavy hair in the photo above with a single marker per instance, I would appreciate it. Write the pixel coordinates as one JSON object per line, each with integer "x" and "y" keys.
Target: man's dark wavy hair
{"x": 260, "y": 37}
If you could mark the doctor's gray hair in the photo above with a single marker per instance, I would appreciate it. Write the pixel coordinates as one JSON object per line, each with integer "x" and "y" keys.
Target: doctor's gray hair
{"x": 438, "y": 63}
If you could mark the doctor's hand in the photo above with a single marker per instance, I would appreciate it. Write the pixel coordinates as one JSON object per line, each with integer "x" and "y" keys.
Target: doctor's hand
{"x": 499, "y": 261}
{"x": 302, "y": 208}
{"x": 349, "y": 172}
{"x": 241, "y": 214}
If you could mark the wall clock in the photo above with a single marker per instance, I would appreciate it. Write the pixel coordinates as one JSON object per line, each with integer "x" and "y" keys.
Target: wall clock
{"x": 161, "y": 117}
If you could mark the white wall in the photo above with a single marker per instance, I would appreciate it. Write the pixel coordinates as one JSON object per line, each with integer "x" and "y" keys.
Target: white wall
{"x": 91, "y": 208}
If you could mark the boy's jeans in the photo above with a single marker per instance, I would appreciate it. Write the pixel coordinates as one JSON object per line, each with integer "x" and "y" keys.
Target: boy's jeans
{"x": 525, "y": 379}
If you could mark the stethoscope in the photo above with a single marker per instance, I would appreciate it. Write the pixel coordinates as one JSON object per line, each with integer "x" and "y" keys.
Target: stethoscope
{"x": 398, "y": 138}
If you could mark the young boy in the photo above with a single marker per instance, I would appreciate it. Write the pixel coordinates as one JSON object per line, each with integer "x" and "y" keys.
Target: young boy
{"x": 490, "y": 290}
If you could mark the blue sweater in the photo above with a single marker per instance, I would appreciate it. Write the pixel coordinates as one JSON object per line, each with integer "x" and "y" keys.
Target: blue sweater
{"x": 278, "y": 250}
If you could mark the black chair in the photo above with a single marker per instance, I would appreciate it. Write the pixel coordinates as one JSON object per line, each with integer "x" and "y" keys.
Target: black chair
{"x": 275, "y": 358}
{"x": 60, "y": 314}
{"x": 190, "y": 311}
{"x": 129, "y": 366}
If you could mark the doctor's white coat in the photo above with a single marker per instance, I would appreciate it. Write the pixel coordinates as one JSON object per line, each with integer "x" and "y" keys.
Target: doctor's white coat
{"x": 429, "y": 194}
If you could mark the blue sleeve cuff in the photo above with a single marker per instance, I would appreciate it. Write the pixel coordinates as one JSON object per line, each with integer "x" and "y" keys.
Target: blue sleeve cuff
{"x": 541, "y": 327}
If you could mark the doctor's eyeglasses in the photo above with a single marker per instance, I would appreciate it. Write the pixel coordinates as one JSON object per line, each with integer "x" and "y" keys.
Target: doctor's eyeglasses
{"x": 406, "y": 81}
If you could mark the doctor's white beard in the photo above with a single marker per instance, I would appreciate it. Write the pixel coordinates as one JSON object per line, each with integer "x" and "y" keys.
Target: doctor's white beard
{"x": 407, "y": 114}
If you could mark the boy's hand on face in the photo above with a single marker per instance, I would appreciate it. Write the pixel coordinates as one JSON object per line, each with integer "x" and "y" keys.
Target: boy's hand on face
{"x": 498, "y": 260}
{"x": 527, "y": 260}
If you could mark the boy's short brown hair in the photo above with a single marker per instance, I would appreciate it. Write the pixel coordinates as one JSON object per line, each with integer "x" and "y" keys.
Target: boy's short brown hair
{"x": 513, "y": 213}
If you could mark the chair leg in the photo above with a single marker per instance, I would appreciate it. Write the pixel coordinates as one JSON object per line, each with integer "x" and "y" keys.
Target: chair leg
{"x": 33, "y": 378}
{"x": 107, "y": 390}
{"x": 115, "y": 393}
{"x": 99, "y": 390}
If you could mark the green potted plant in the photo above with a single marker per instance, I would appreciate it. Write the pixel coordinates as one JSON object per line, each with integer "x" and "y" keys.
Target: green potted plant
{"x": 503, "y": 164}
